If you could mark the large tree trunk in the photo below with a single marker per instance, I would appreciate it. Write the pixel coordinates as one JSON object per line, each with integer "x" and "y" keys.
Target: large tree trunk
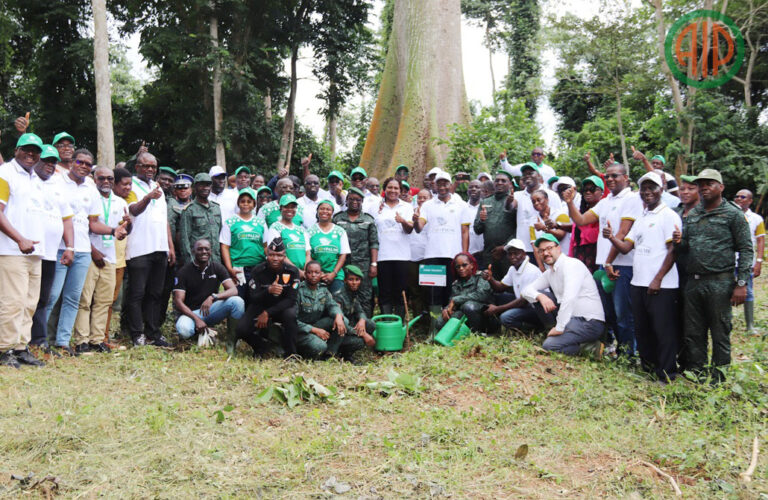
{"x": 286, "y": 140}
{"x": 218, "y": 113}
{"x": 268, "y": 107}
{"x": 620, "y": 123}
{"x": 105, "y": 136}
{"x": 490, "y": 60}
{"x": 422, "y": 89}
{"x": 332, "y": 135}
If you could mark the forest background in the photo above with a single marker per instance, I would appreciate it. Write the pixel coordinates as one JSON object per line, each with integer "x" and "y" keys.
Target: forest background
{"x": 610, "y": 92}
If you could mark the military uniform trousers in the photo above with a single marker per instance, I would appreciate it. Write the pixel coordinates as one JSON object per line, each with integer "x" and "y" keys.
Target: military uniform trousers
{"x": 707, "y": 309}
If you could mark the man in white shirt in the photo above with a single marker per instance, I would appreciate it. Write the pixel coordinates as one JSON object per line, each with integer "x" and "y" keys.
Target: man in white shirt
{"x": 654, "y": 287}
{"x": 99, "y": 287}
{"x": 744, "y": 200}
{"x": 149, "y": 252}
{"x": 518, "y": 313}
{"x": 219, "y": 179}
{"x": 580, "y": 318}
{"x": 441, "y": 218}
{"x": 312, "y": 196}
{"x": 531, "y": 182}
{"x": 619, "y": 209}
{"x": 471, "y": 241}
{"x": 537, "y": 158}
{"x": 22, "y": 243}
{"x": 228, "y": 199}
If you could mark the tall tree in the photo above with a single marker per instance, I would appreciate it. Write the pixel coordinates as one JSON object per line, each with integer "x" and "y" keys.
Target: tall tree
{"x": 422, "y": 89}
{"x": 218, "y": 112}
{"x": 105, "y": 137}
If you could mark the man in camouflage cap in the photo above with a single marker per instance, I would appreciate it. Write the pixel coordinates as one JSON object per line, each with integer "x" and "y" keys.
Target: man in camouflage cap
{"x": 714, "y": 231}
{"x": 348, "y": 299}
{"x": 201, "y": 219}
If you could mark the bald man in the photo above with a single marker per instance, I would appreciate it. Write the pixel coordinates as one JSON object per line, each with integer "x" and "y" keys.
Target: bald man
{"x": 744, "y": 200}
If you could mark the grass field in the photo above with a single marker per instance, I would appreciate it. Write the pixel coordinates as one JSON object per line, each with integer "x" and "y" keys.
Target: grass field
{"x": 151, "y": 423}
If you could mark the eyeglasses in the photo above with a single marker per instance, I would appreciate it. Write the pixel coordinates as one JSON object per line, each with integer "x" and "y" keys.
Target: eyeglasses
{"x": 146, "y": 165}
{"x": 64, "y": 145}
{"x": 739, "y": 196}
{"x": 30, "y": 149}
{"x": 590, "y": 189}
{"x": 102, "y": 178}
{"x": 547, "y": 249}
{"x": 82, "y": 162}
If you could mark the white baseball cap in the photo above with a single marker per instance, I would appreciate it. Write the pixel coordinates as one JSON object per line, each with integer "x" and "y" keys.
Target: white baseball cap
{"x": 563, "y": 181}
{"x": 443, "y": 175}
{"x": 515, "y": 243}
{"x": 484, "y": 174}
{"x": 434, "y": 171}
{"x": 217, "y": 170}
{"x": 650, "y": 176}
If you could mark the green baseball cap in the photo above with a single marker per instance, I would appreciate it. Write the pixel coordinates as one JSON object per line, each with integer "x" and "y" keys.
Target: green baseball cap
{"x": 597, "y": 181}
{"x": 337, "y": 174}
{"x": 325, "y": 201}
{"x": 49, "y": 152}
{"x": 660, "y": 158}
{"x": 168, "y": 170}
{"x": 545, "y": 237}
{"x": 30, "y": 140}
{"x": 552, "y": 180}
{"x": 690, "y": 179}
{"x": 264, "y": 188}
{"x": 241, "y": 168}
{"x": 353, "y": 269}
{"x": 62, "y": 135}
{"x": 356, "y": 191}
{"x": 358, "y": 170}
{"x": 247, "y": 191}
{"x": 402, "y": 167}
{"x": 504, "y": 172}
{"x": 406, "y": 185}
{"x": 202, "y": 177}
{"x": 530, "y": 164}
{"x": 709, "y": 174}
{"x": 287, "y": 199}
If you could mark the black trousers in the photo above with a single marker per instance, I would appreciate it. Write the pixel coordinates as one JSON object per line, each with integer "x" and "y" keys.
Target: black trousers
{"x": 165, "y": 296}
{"x": 39, "y": 323}
{"x": 393, "y": 281}
{"x": 441, "y": 295}
{"x": 246, "y": 328}
{"x": 145, "y": 288}
{"x": 656, "y": 329}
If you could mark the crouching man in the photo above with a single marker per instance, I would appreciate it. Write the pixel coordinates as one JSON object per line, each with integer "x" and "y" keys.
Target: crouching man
{"x": 349, "y": 300}
{"x": 322, "y": 330}
{"x": 195, "y": 294}
{"x": 580, "y": 317}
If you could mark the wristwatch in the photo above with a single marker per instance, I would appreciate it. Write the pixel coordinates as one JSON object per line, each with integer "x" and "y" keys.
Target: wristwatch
{"x": 215, "y": 297}
{"x": 375, "y": 264}
{"x": 741, "y": 283}
{"x": 759, "y": 260}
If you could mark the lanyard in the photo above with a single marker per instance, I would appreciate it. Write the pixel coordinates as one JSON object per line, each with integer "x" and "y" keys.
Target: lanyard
{"x": 141, "y": 188}
{"x": 106, "y": 208}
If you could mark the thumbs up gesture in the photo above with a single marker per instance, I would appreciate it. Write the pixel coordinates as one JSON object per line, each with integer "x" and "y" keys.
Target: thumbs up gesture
{"x": 609, "y": 162}
{"x": 607, "y": 231}
{"x": 275, "y": 288}
{"x": 21, "y": 123}
{"x": 483, "y": 213}
{"x": 677, "y": 235}
{"x": 637, "y": 155}
{"x": 487, "y": 273}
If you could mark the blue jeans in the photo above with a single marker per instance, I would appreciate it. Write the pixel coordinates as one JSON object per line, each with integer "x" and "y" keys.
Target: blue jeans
{"x": 620, "y": 303}
{"x": 68, "y": 284}
{"x": 751, "y": 288}
{"x": 233, "y": 307}
{"x": 521, "y": 318}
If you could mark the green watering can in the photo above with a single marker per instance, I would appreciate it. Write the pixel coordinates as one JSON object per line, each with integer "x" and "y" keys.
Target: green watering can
{"x": 601, "y": 276}
{"x": 454, "y": 329}
{"x": 390, "y": 332}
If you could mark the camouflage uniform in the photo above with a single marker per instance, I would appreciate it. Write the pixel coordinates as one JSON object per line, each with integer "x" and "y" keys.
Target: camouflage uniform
{"x": 710, "y": 240}
{"x": 317, "y": 308}
{"x": 352, "y": 309}
{"x": 497, "y": 230}
{"x": 200, "y": 221}
{"x": 469, "y": 297}
{"x": 363, "y": 236}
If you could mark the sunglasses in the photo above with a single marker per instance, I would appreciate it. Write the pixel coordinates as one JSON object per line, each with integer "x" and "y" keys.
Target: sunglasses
{"x": 82, "y": 162}
{"x": 591, "y": 189}
{"x": 102, "y": 178}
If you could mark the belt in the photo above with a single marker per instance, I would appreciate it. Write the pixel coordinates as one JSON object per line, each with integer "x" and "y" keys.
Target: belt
{"x": 724, "y": 276}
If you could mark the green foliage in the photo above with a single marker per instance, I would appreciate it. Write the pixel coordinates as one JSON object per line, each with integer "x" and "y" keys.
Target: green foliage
{"x": 298, "y": 389}
{"x": 400, "y": 383}
{"x": 504, "y": 127}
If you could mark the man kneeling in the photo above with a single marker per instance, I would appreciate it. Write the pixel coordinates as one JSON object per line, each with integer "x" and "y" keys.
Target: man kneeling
{"x": 349, "y": 300}
{"x": 322, "y": 329}
{"x": 195, "y": 294}
{"x": 580, "y": 317}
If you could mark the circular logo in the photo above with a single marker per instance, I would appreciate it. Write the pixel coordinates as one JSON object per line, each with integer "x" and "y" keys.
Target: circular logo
{"x": 704, "y": 49}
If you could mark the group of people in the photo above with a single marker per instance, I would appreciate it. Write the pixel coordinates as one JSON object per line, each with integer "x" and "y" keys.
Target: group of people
{"x": 297, "y": 269}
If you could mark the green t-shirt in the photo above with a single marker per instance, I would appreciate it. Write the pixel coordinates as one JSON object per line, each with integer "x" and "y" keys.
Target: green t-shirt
{"x": 295, "y": 239}
{"x": 271, "y": 213}
{"x": 245, "y": 239}
{"x": 327, "y": 247}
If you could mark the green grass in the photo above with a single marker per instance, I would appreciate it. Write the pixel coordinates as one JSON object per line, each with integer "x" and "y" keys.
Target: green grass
{"x": 152, "y": 423}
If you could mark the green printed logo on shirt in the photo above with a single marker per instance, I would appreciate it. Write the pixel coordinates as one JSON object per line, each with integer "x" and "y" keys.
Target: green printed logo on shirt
{"x": 326, "y": 248}
{"x": 246, "y": 247}
{"x": 271, "y": 213}
{"x": 295, "y": 242}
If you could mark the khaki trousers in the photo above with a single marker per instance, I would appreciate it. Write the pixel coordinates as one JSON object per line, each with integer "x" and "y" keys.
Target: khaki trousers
{"x": 19, "y": 293}
{"x": 95, "y": 300}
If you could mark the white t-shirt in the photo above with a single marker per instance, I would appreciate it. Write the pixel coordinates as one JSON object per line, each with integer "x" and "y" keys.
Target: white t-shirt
{"x": 371, "y": 204}
{"x": 394, "y": 242}
{"x": 650, "y": 233}
{"x": 309, "y": 213}
{"x": 756, "y": 230}
{"x": 115, "y": 207}
{"x": 443, "y": 227}
{"x": 526, "y": 213}
{"x": 150, "y": 228}
{"x": 418, "y": 243}
{"x": 545, "y": 170}
{"x": 22, "y": 194}
{"x": 82, "y": 199}
{"x": 476, "y": 241}
{"x": 56, "y": 210}
{"x": 626, "y": 205}
{"x": 519, "y": 279}
{"x": 560, "y": 216}
{"x": 227, "y": 201}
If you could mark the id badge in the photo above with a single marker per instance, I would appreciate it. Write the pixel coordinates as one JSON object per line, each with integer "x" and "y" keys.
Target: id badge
{"x": 107, "y": 240}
